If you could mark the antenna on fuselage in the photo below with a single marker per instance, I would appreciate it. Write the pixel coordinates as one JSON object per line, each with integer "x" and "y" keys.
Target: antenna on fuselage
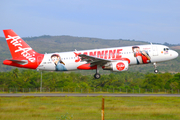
{"x": 75, "y": 50}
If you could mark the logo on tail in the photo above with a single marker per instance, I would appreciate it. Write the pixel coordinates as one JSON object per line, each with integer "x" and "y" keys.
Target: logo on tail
{"x": 18, "y": 47}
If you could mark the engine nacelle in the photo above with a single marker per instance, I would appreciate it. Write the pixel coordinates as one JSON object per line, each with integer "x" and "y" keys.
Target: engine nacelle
{"x": 117, "y": 66}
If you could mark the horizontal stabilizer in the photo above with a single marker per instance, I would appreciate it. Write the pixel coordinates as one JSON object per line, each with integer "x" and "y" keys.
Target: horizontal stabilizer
{"x": 22, "y": 62}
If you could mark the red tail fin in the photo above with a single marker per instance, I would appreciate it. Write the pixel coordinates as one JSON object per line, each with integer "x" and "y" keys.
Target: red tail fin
{"x": 18, "y": 47}
{"x": 21, "y": 51}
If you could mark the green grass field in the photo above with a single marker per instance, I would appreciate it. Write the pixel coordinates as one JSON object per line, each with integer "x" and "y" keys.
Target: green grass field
{"x": 75, "y": 108}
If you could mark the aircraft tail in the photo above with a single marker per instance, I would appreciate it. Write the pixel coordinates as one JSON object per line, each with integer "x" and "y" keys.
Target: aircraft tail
{"x": 18, "y": 47}
{"x": 21, "y": 52}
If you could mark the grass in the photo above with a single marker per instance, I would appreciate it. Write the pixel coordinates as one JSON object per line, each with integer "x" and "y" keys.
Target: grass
{"x": 58, "y": 108}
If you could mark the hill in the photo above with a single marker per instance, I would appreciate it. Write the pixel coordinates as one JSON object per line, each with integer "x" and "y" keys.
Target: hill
{"x": 48, "y": 44}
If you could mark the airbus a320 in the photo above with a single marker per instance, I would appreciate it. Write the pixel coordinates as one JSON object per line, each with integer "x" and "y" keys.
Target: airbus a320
{"x": 114, "y": 59}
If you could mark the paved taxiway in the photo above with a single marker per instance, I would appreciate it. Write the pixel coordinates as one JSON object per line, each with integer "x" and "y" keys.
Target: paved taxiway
{"x": 84, "y": 95}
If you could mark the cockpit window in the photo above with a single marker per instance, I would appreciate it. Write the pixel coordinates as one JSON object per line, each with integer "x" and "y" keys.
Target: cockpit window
{"x": 166, "y": 49}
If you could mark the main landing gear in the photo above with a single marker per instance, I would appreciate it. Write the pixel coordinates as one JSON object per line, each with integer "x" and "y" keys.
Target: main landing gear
{"x": 97, "y": 75}
{"x": 155, "y": 70}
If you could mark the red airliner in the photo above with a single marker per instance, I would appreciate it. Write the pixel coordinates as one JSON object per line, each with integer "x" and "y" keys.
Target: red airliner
{"x": 114, "y": 59}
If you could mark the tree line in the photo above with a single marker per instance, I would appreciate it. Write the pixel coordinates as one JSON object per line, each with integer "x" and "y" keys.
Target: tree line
{"x": 31, "y": 79}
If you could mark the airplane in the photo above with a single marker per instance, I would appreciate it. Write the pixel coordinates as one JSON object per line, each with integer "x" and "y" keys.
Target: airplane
{"x": 115, "y": 59}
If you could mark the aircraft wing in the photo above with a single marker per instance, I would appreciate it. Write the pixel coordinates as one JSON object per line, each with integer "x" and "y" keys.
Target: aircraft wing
{"x": 93, "y": 60}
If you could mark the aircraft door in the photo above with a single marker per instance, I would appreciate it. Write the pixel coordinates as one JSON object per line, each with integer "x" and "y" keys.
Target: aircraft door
{"x": 155, "y": 51}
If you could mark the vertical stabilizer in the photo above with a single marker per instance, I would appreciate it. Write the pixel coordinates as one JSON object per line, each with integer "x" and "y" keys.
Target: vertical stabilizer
{"x": 22, "y": 54}
{"x": 18, "y": 47}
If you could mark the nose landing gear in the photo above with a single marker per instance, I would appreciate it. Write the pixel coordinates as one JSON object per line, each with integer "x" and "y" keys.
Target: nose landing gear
{"x": 155, "y": 70}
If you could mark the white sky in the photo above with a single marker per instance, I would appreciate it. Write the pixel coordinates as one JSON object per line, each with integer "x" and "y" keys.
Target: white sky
{"x": 145, "y": 20}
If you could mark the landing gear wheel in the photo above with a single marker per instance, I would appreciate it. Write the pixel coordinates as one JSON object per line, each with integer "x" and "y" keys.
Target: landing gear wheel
{"x": 156, "y": 70}
{"x": 97, "y": 76}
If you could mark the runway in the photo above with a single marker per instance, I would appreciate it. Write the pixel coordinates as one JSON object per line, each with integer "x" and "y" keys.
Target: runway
{"x": 83, "y": 95}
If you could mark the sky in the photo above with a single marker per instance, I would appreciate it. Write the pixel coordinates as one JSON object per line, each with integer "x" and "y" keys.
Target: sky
{"x": 156, "y": 21}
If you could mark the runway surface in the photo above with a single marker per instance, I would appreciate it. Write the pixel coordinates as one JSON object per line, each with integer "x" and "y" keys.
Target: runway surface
{"x": 83, "y": 95}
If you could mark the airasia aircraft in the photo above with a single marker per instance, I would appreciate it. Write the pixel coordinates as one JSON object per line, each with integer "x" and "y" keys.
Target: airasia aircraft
{"x": 114, "y": 59}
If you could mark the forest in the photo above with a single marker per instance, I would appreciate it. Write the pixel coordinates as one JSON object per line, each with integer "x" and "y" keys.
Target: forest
{"x": 136, "y": 77}
{"x": 131, "y": 80}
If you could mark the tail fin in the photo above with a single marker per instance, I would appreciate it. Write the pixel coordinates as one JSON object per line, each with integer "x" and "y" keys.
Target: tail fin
{"x": 19, "y": 49}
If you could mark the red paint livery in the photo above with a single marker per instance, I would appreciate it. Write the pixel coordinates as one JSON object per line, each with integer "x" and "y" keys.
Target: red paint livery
{"x": 22, "y": 54}
{"x": 120, "y": 66}
{"x": 114, "y": 59}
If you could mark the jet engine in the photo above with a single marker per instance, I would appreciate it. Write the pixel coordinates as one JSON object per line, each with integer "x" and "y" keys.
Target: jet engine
{"x": 117, "y": 66}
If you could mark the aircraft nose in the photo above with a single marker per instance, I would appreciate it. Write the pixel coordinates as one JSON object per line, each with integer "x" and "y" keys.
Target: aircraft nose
{"x": 175, "y": 54}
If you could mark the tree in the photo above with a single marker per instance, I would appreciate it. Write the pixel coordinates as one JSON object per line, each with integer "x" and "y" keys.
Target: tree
{"x": 153, "y": 81}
